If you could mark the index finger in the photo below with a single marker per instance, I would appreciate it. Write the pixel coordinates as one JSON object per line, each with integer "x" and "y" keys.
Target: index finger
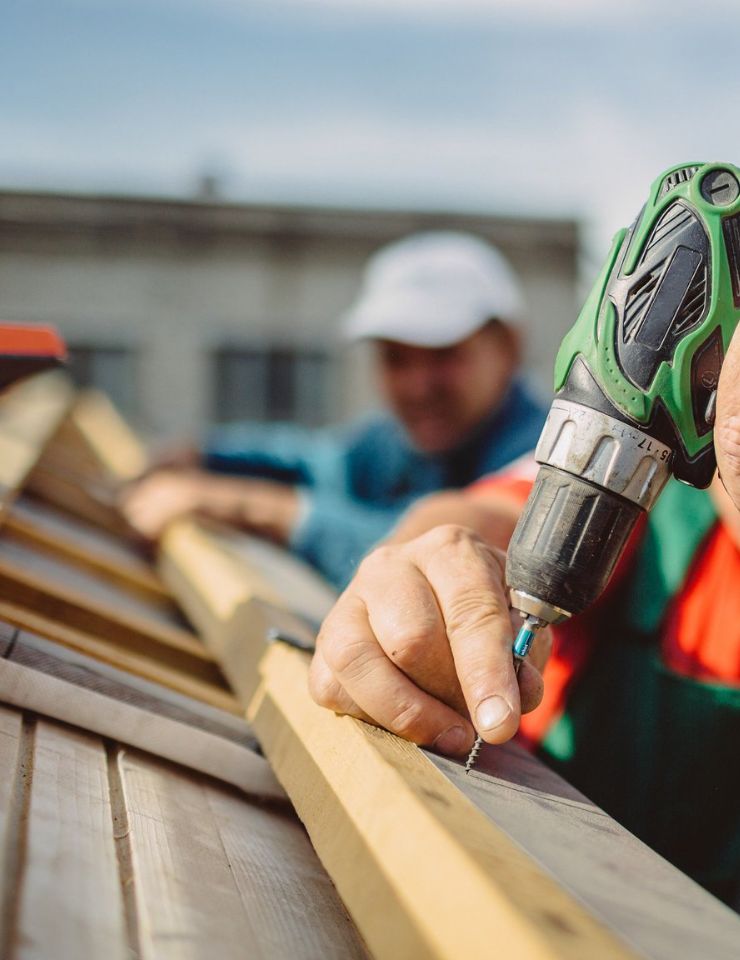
{"x": 468, "y": 580}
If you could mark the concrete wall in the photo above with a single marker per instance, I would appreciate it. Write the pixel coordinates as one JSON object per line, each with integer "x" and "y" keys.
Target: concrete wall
{"x": 174, "y": 280}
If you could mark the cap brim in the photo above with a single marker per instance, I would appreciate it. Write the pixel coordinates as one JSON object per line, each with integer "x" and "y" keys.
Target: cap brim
{"x": 419, "y": 320}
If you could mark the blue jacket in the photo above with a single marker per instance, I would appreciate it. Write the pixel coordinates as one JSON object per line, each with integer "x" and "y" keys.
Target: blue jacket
{"x": 358, "y": 480}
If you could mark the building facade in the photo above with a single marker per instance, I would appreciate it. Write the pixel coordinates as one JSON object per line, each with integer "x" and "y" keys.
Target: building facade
{"x": 190, "y": 312}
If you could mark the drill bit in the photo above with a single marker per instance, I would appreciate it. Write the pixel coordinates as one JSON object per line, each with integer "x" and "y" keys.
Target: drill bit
{"x": 522, "y": 645}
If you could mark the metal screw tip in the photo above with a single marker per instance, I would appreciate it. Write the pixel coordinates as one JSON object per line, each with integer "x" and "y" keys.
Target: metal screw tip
{"x": 473, "y": 755}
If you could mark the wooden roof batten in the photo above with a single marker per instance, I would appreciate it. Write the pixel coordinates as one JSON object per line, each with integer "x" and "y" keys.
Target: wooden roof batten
{"x": 137, "y": 820}
{"x": 430, "y": 862}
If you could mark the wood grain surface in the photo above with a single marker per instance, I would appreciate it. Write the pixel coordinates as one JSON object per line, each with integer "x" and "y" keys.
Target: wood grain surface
{"x": 189, "y": 746}
{"x": 109, "y": 852}
{"x": 511, "y": 861}
{"x": 30, "y": 413}
{"x": 423, "y": 872}
{"x": 88, "y": 459}
{"x": 139, "y": 662}
{"x": 71, "y": 904}
{"x": 234, "y": 601}
{"x": 81, "y": 600}
{"x": 217, "y": 877}
{"x": 44, "y": 527}
{"x": 621, "y": 881}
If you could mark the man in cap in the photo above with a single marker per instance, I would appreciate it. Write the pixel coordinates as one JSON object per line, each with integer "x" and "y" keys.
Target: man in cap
{"x": 442, "y": 310}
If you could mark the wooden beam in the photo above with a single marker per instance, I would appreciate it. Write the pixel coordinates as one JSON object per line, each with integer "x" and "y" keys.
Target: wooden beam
{"x": 57, "y": 591}
{"x": 234, "y": 601}
{"x": 30, "y": 413}
{"x": 431, "y": 863}
{"x": 215, "y": 876}
{"x": 189, "y": 746}
{"x": 112, "y": 852}
{"x": 91, "y": 455}
{"x": 71, "y": 903}
{"x": 140, "y": 663}
{"x": 45, "y": 528}
{"x": 46, "y": 656}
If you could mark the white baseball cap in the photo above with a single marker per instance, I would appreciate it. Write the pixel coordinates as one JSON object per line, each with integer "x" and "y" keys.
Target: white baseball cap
{"x": 432, "y": 290}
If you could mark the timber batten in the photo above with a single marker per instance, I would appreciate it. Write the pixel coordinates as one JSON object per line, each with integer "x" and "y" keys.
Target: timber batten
{"x": 558, "y": 874}
{"x": 140, "y": 792}
{"x": 136, "y": 818}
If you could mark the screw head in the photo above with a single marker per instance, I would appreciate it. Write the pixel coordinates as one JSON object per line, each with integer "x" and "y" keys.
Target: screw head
{"x": 720, "y": 188}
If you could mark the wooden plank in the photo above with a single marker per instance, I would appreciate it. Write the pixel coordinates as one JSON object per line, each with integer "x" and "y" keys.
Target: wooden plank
{"x": 30, "y": 412}
{"x": 11, "y": 811}
{"x": 46, "y": 656}
{"x": 198, "y": 749}
{"x": 427, "y": 872}
{"x": 279, "y": 577}
{"x": 233, "y": 601}
{"x": 90, "y": 456}
{"x": 88, "y": 603}
{"x": 40, "y": 526}
{"x": 111, "y": 441}
{"x": 71, "y": 904}
{"x": 140, "y": 663}
{"x": 421, "y": 870}
{"x": 621, "y": 881}
{"x": 218, "y": 877}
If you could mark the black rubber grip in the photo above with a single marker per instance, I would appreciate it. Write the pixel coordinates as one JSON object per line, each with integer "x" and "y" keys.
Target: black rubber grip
{"x": 568, "y": 540}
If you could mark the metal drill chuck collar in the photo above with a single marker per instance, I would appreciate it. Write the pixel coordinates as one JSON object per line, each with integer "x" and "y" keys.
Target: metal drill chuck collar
{"x": 529, "y": 605}
{"x": 603, "y": 450}
{"x": 597, "y": 475}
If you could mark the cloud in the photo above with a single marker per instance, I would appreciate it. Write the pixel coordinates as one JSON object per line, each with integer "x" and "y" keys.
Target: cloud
{"x": 543, "y": 11}
{"x": 510, "y": 121}
{"x": 594, "y": 158}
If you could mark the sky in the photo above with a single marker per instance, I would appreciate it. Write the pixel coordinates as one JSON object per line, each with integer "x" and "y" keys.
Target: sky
{"x": 552, "y": 107}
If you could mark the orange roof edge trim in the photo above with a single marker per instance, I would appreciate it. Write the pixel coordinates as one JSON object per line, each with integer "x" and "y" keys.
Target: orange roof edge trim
{"x": 20, "y": 340}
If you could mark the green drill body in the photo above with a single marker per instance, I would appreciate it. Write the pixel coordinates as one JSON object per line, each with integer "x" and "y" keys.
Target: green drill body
{"x": 701, "y": 199}
{"x": 635, "y": 392}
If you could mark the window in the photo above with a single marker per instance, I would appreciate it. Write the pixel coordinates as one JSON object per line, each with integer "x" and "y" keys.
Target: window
{"x": 111, "y": 369}
{"x": 272, "y": 383}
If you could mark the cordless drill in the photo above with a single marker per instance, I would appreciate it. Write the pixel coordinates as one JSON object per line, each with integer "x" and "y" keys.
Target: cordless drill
{"x": 635, "y": 393}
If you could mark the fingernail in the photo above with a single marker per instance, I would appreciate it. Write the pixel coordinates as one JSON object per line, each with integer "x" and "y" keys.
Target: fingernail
{"x": 491, "y": 713}
{"x": 453, "y": 740}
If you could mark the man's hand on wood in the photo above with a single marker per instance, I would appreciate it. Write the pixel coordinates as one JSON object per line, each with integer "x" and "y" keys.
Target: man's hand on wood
{"x": 262, "y": 506}
{"x": 421, "y": 641}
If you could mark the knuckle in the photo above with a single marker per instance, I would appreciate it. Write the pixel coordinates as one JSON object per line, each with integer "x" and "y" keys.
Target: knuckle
{"x": 411, "y": 645}
{"x": 322, "y": 687}
{"x": 340, "y": 638}
{"x": 377, "y": 561}
{"x": 482, "y": 679}
{"x": 474, "y": 610}
{"x": 407, "y": 719}
{"x": 452, "y": 535}
{"x": 342, "y": 653}
{"x": 468, "y": 548}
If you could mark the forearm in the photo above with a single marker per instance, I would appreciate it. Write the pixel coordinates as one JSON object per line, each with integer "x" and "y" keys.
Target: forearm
{"x": 336, "y": 532}
{"x": 281, "y": 452}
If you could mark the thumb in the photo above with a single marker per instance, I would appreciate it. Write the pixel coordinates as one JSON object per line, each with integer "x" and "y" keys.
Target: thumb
{"x": 727, "y": 423}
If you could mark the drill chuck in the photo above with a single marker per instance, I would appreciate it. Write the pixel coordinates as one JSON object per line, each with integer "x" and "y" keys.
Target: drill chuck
{"x": 597, "y": 475}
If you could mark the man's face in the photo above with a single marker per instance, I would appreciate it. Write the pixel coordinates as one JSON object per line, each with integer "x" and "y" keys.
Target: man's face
{"x": 442, "y": 394}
